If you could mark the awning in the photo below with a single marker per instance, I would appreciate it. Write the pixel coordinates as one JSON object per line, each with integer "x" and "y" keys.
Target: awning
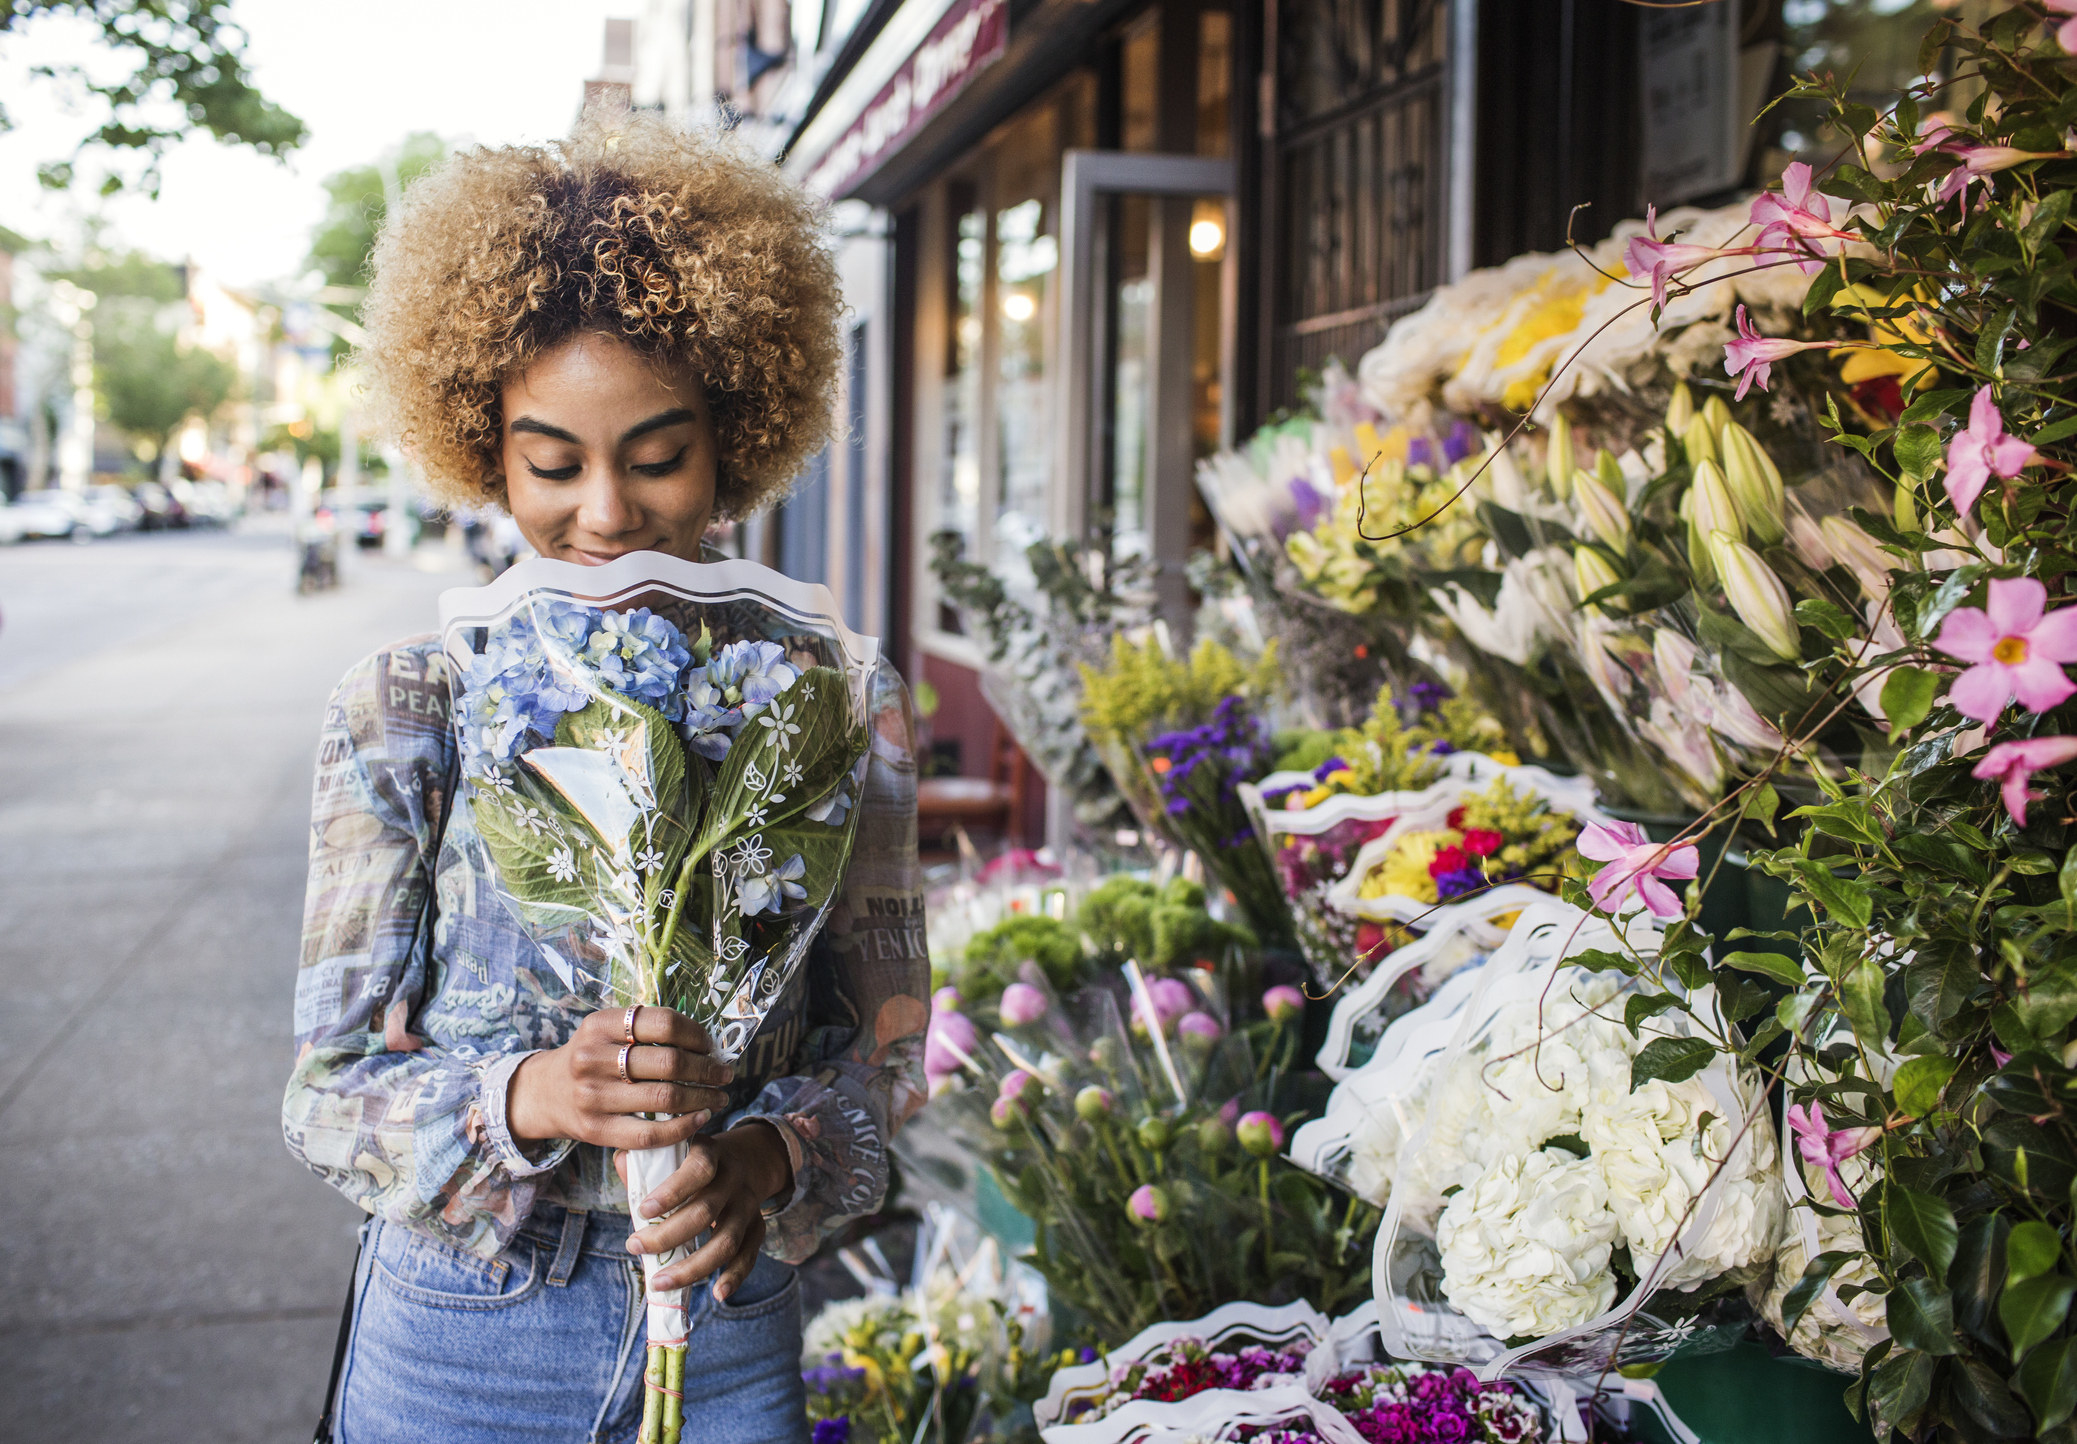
{"x": 928, "y": 53}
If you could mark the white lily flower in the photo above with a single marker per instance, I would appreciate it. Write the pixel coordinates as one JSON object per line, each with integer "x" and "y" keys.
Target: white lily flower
{"x": 1757, "y": 596}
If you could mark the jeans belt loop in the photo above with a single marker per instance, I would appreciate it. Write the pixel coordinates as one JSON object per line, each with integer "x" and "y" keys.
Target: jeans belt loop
{"x": 571, "y": 1245}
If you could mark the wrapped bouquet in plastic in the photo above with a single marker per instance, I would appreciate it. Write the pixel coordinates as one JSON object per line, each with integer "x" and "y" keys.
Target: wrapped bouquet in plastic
{"x": 1575, "y": 1179}
{"x": 662, "y": 759}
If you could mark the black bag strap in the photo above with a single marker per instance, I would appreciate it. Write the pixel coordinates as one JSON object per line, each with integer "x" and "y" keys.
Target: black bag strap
{"x": 323, "y": 1433}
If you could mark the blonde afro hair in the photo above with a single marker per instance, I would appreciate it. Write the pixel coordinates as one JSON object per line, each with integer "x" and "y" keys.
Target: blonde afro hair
{"x": 688, "y": 247}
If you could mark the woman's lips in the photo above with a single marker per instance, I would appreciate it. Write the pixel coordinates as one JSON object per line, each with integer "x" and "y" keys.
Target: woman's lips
{"x": 594, "y": 559}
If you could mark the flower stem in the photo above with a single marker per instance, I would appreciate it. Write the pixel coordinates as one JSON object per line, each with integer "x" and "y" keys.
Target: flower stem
{"x": 1268, "y": 1223}
{"x": 652, "y": 1396}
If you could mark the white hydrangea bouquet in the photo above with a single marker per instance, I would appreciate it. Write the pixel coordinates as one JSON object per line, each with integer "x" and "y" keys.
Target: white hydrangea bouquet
{"x": 662, "y": 760}
{"x": 1575, "y": 1178}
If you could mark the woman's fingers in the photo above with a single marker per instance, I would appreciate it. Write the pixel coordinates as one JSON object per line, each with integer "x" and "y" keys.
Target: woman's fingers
{"x": 674, "y": 1065}
{"x": 687, "y": 1181}
{"x": 738, "y": 1235}
{"x": 623, "y": 1130}
{"x": 670, "y": 1028}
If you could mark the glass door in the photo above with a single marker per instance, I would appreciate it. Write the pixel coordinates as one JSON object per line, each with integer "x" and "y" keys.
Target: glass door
{"x": 1145, "y": 328}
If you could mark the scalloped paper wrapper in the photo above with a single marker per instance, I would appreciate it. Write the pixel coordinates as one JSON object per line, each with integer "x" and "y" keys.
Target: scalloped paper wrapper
{"x": 1570, "y": 795}
{"x": 591, "y": 948}
{"x": 1415, "y": 1318}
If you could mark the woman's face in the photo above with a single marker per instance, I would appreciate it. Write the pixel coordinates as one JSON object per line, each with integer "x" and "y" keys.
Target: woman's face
{"x": 605, "y": 454}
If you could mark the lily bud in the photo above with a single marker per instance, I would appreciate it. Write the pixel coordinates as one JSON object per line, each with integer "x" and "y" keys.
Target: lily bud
{"x": 1680, "y": 410}
{"x": 1603, "y": 509}
{"x": 1716, "y": 414}
{"x": 1755, "y": 484}
{"x": 1709, "y": 509}
{"x": 1855, "y": 550}
{"x": 1700, "y": 441}
{"x": 1592, "y": 572}
{"x": 1557, "y": 460}
{"x": 1905, "y": 510}
{"x": 1757, "y": 596}
{"x": 1610, "y": 470}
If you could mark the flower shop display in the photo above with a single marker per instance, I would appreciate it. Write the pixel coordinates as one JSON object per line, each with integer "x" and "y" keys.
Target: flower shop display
{"x": 1466, "y": 837}
{"x": 661, "y": 761}
{"x": 1586, "y": 1176}
{"x": 1139, "y": 1122}
{"x": 1454, "y": 939}
{"x": 957, "y": 1355}
{"x": 1181, "y": 735}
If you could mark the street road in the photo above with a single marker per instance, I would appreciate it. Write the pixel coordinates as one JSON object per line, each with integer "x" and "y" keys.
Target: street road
{"x": 167, "y": 1272}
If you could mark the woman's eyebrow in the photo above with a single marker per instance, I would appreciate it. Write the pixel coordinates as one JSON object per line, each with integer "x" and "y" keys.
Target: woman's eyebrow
{"x": 542, "y": 428}
{"x": 658, "y": 422}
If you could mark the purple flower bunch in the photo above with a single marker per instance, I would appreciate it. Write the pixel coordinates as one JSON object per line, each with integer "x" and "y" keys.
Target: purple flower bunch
{"x": 1185, "y": 1367}
{"x": 1415, "y": 1404}
{"x": 1232, "y": 748}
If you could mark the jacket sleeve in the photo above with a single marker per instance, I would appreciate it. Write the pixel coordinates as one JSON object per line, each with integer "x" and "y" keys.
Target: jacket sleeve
{"x": 867, "y": 1006}
{"x": 406, "y": 1129}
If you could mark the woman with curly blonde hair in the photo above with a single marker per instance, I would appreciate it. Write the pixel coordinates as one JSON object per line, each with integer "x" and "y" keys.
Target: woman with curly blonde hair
{"x": 619, "y": 339}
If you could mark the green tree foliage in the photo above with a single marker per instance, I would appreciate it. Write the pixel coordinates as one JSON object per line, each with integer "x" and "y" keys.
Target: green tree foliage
{"x": 186, "y": 71}
{"x": 359, "y": 200}
{"x": 150, "y": 383}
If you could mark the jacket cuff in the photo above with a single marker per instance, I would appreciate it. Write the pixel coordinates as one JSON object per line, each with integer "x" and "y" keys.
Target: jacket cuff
{"x": 511, "y": 1155}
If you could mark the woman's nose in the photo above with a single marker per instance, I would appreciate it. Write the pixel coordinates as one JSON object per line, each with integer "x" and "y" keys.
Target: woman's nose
{"x": 605, "y": 510}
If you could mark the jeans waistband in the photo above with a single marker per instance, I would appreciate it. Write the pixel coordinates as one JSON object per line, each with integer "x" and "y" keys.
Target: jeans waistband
{"x": 604, "y": 1234}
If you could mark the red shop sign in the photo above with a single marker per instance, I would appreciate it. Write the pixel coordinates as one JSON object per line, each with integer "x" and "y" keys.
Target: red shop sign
{"x": 964, "y": 42}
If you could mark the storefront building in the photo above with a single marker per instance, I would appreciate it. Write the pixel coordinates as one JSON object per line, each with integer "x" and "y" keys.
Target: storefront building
{"x": 1087, "y": 242}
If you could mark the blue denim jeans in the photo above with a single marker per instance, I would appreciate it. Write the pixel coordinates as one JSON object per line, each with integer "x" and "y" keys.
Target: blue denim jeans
{"x": 545, "y": 1343}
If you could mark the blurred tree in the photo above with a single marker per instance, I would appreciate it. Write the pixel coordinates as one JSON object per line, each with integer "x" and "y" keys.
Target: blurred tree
{"x": 340, "y": 245}
{"x": 186, "y": 71}
{"x": 150, "y": 382}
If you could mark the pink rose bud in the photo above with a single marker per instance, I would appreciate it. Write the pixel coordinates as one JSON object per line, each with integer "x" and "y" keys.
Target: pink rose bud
{"x": 1022, "y": 1004}
{"x": 950, "y": 1036}
{"x": 1148, "y": 1204}
{"x": 1006, "y": 1113}
{"x": 1016, "y": 1083}
{"x": 1199, "y": 1027}
{"x": 1283, "y": 1003}
{"x": 1094, "y": 1104}
{"x": 1260, "y": 1133}
{"x": 1171, "y": 998}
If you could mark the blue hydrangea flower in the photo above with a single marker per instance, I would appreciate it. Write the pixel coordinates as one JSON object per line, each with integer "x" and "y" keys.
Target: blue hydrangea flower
{"x": 832, "y": 809}
{"x": 640, "y": 655}
{"x": 512, "y": 695}
{"x": 738, "y": 683}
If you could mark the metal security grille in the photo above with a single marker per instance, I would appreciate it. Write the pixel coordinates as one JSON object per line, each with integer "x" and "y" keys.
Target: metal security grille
{"x": 1354, "y": 161}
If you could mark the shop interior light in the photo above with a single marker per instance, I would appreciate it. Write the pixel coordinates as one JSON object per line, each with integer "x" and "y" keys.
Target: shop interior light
{"x": 1019, "y": 305}
{"x": 1207, "y": 237}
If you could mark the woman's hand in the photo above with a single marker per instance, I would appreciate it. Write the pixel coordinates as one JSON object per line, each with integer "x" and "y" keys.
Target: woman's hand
{"x": 578, "y": 1091}
{"x": 723, "y": 1185}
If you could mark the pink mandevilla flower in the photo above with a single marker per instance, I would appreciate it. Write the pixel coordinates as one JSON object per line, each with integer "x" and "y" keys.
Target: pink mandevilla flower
{"x": 2013, "y": 763}
{"x": 2017, "y": 651}
{"x": 2065, "y": 33}
{"x": 1981, "y": 450}
{"x": 1647, "y": 255}
{"x": 1751, "y": 356}
{"x": 1827, "y": 1148}
{"x": 1796, "y": 218}
{"x": 1635, "y": 864}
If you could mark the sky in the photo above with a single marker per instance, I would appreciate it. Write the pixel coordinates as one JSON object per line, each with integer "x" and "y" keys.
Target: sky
{"x": 361, "y": 76}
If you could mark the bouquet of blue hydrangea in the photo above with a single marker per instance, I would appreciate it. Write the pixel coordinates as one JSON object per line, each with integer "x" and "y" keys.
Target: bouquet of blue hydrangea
{"x": 662, "y": 760}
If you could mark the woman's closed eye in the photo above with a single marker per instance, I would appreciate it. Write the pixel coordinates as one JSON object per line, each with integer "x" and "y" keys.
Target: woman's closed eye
{"x": 662, "y": 468}
{"x": 560, "y": 473}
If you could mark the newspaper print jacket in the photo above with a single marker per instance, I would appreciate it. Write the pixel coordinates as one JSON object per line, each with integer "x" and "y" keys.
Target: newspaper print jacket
{"x": 418, "y": 993}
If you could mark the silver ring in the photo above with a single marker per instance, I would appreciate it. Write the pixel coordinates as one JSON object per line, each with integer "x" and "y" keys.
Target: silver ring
{"x": 625, "y": 1049}
{"x": 627, "y": 1023}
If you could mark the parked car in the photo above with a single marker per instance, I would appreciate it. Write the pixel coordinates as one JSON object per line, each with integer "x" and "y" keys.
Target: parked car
{"x": 39, "y": 514}
{"x": 208, "y": 502}
{"x": 128, "y": 511}
{"x": 95, "y": 515}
